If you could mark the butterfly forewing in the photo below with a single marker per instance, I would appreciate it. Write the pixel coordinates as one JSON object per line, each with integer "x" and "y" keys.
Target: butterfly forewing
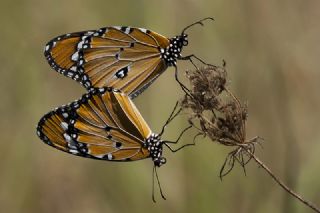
{"x": 103, "y": 124}
{"x": 125, "y": 58}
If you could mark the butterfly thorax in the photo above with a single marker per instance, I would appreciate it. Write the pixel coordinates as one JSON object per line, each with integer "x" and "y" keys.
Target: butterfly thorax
{"x": 173, "y": 51}
{"x": 154, "y": 145}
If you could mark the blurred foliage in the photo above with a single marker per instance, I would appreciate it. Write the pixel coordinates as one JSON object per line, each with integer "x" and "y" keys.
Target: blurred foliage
{"x": 272, "y": 53}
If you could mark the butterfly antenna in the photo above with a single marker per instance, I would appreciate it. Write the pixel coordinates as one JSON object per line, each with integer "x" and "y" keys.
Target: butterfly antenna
{"x": 195, "y": 23}
{"x": 171, "y": 117}
{"x": 153, "y": 171}
{"x": 162, "y": 195}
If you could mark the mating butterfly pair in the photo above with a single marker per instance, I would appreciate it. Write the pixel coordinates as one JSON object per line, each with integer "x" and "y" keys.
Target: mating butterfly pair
{"x": 105, "y": 124}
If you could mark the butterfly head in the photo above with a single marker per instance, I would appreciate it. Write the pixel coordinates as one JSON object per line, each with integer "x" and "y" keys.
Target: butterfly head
{"x": 183, "y": 39}
{"x": 154, "y": 145}
{"x": 178, "y": 42}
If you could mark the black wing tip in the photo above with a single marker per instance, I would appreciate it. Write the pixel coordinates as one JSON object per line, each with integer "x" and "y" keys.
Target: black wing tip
{"x": 53, "y": 41}
{"x": 57, "y": 111}
{"x": 43, "y": 137}
{"x": 39, "y": 129}
{"x": 74, "y": 74}
{"x": 51, "y": 61}
{"x": 45, "y": 118}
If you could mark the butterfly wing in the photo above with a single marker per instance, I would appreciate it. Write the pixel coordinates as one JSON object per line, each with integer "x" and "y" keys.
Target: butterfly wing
{"x": 124, "y": 58}
{"x": 103, "y": 124}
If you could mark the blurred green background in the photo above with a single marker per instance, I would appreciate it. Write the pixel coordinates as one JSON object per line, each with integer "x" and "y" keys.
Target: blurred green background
{"x": 272, "y": 52}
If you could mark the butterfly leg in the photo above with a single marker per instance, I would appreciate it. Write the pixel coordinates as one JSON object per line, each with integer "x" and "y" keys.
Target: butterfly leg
{"x": 183, "y": 87}
{"x": 175, "y": 142}
{"x": 189, "y": 58}
{"x": 171, "y": 117}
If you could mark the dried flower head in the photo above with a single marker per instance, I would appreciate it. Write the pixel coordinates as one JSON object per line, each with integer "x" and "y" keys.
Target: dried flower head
{"x": 207, "y": 83}
{"x": 222, "y": 119}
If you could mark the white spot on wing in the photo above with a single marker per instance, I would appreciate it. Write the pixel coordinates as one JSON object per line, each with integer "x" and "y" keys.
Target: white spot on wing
{"x": 80, "y": 44}
{"x": 64, "y": 125}
{"x": 109, "y": 156}
{"x": 121, "y": 74}
{"x": 73, "y": 68}
{"x": 47, "y": 47}
{"x": 143, "y": 30}
{"x": 117, "y": 27}
{"x": 73, "y": 151}
{"x": 75, "y": 56}
{"x": 67, "y": 137}
{"x": 127, "y": 31}
{"x": 103, "y": 30}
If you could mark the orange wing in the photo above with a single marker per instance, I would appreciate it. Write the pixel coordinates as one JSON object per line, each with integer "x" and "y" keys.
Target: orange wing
{"x": 125, "y": 58}
{"x": 103, "y": 124}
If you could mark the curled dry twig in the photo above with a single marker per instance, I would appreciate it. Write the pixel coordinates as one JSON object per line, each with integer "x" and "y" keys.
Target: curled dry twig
{"x": 223, "y": 120}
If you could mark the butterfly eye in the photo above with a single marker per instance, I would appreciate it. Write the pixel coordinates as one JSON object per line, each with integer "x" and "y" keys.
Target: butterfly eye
{"x": 160, "y": 161}
{"x": 163, "y": 160}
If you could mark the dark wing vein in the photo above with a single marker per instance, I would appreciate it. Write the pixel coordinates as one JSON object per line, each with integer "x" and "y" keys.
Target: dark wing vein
{"x": 140, "y": 74}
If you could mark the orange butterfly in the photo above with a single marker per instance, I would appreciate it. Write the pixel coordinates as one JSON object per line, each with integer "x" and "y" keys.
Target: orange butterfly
{"x": 105, "y": 125}
{"x": 125, "y": 58}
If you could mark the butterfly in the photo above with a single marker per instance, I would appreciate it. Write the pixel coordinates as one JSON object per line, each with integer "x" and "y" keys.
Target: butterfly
{"x": 125, "y": 58}
{"x": 104, "y": 124}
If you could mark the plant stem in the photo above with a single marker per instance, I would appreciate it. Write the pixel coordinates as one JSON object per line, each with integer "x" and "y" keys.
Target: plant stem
{"x": 285, "y": 187}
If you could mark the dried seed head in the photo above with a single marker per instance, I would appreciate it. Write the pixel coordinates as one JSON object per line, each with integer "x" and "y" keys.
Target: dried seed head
{"x": 206, "y": 84}
{"x": 221, "y": 119}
